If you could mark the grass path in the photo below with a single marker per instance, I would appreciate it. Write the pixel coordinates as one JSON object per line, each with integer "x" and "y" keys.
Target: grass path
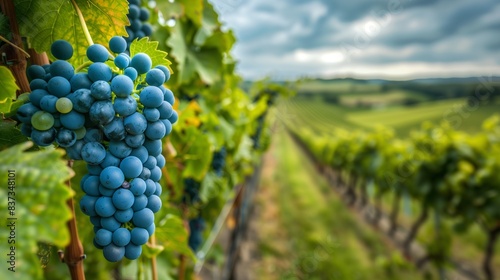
{"x": 303, "y": 231}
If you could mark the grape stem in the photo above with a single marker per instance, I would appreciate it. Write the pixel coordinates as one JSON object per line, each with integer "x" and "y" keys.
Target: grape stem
{"x": 83, "y": 65}
{"x": 83, "y": 23}
{"x": 14, "y": 46}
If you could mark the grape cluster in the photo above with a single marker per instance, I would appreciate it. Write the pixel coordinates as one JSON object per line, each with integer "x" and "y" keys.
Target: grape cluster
{"x": 114, "y": 119}
{"x": 138, "y": 17}
{"x": 219, "y": 161}
{"x": 196, "y": 227}
{"x": 191, "y": 191}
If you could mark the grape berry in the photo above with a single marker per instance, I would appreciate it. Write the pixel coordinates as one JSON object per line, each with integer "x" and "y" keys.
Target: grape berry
{"x": 114, "y": 119}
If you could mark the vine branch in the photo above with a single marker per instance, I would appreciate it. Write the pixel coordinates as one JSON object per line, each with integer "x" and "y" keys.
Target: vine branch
{"x": 14, "y": 46}
{"x": 18, "y": 69}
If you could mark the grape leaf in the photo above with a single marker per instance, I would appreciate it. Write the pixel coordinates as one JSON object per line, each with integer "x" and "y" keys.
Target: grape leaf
{"x": 172, "y": 235}
{"x": 210, "y": 22}
{"x": 143, "y": 45}
{"x": 8, "y": 88}
{"x": 192, "y": 9}
{"x": 9, "y": 134}
{"x": 40, "y": 205}
{"x": 204, "y": 61}
{"x": 44, "y": 21}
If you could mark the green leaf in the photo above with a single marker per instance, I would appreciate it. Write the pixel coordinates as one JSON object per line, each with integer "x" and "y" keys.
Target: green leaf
{"x": 209, "y": 24}
{"x": 44, "y": 22}
{"x": 150, "y": 48}
{"x": 8, "y": 88}
{"x": 198, "y": 154}
{"x": 192, "y": 9}
{"x": 211, "y": 186}
{"x": 204, "y": 61}
{"x": 172, "y": 235}
{"x": 9, "y": 134}
{"x": 40, "y": 205}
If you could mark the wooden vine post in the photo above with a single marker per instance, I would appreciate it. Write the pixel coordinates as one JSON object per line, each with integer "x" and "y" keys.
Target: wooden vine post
{"x": 73, "y": 255}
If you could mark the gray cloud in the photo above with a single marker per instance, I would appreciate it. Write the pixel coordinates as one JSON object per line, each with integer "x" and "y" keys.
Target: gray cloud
{"x": 293, "y": 38}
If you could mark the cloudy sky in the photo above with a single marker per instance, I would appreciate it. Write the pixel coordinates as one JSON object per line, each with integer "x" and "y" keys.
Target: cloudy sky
{"x": 397, "y": 39}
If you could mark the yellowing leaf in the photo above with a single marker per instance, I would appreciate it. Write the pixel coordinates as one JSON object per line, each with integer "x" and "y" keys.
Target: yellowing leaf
{"x": 8, "y": 88}
{"x": 44, "y": 21}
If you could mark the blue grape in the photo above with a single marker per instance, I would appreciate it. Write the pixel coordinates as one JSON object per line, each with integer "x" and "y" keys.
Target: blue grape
{"x": 100, "y": 90}
{"x": 165, "y": 71}
{"x": 131, "y": 167}
{"x": 124, "y": 216}
{"x": 154, "y": 147}
{"x": 105, "y": 191}
{"x": 38, "y": 84}
{"x": 151, "y": 229}
{"x": 93, "y": 153}
{"x": 123, "y": 199}
{"x": 125, "y": 106}
{"x": 133, "y": 251}
{"x": 104, "y": 207}
{"x": 61, "y": 49}
{"x": 102, "y": 112}
{"x": 99, "y": 71}
{"x": 173, "y": 119}
{"x": 131, "y": 73}
{"x": 135, "y": 141}
{"x": 117, "y": 44}
{"x": 168, "y": 126}
{"x": 139, "y": 236}
{"x": 48, "y": 103}
{"x": 155, "y": 77}
{"x": 79, "y": 81}
{"x": 160, "y": 161}
{"x": 91, "y": 185}
{"x": 144, "y": 14}
{"x": 119, "y": 149}
{"x": 150, "y": 187}
{"x": 140, "y": 203}
{"x": 115, "y": 131}
{"x": 59, "y": 86}
{"x": 135, "y": 124}
{"x": 135, "y": 25}
{"x": 165, "y": 110}
{"x": 36, "y": 96}
{"x": 110, "y": 223}
{"x": 138, "y": 186}
{"x": 141, "y": 62}
{"x": 155, "y": 130}
{"x": 62, "y": 68}
{"x": 122, "y": 86}
{"x": 35, "y": 72}
{"x": 94, "y": 169}
{"x": 133, "y": 11}
{"x": 122, "y": 61}
{"x": 72, "y": 120}
{"x": 93, "y": 134}
{"x": 26, "y": 129}
{"x": 66, "y": 138}
{"x": 158, "y": 190}
{"x": 150, "y": 162}
{"x": 168, "y": 95}
{"x": 143, "y": 218}
{"x": 154, "y": 203}
{"x": 110, "y": 160}
{"x": 103, "y": 237}
{"x": 141, "y": 153}
{"x": 151, "y": 96}
{"x": 82, "y": 100}
{"x": 155, "y": 174}
{"x": 26, "y": 111}
{"x": 96, "y": 221}
{"x": 87, "y": 205}
{"x": 74, "y": 151}
{"x": 113, "y": 253}
{"x": 151, "y": 114}
{"x": 147, "y": 29}
{"x": 43, "y": 138}
{"x": 145, "y": 174}
{"x": 97, "y": 53}
{"x": 121, "y": 237}
{"x": 112, "y": 177}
